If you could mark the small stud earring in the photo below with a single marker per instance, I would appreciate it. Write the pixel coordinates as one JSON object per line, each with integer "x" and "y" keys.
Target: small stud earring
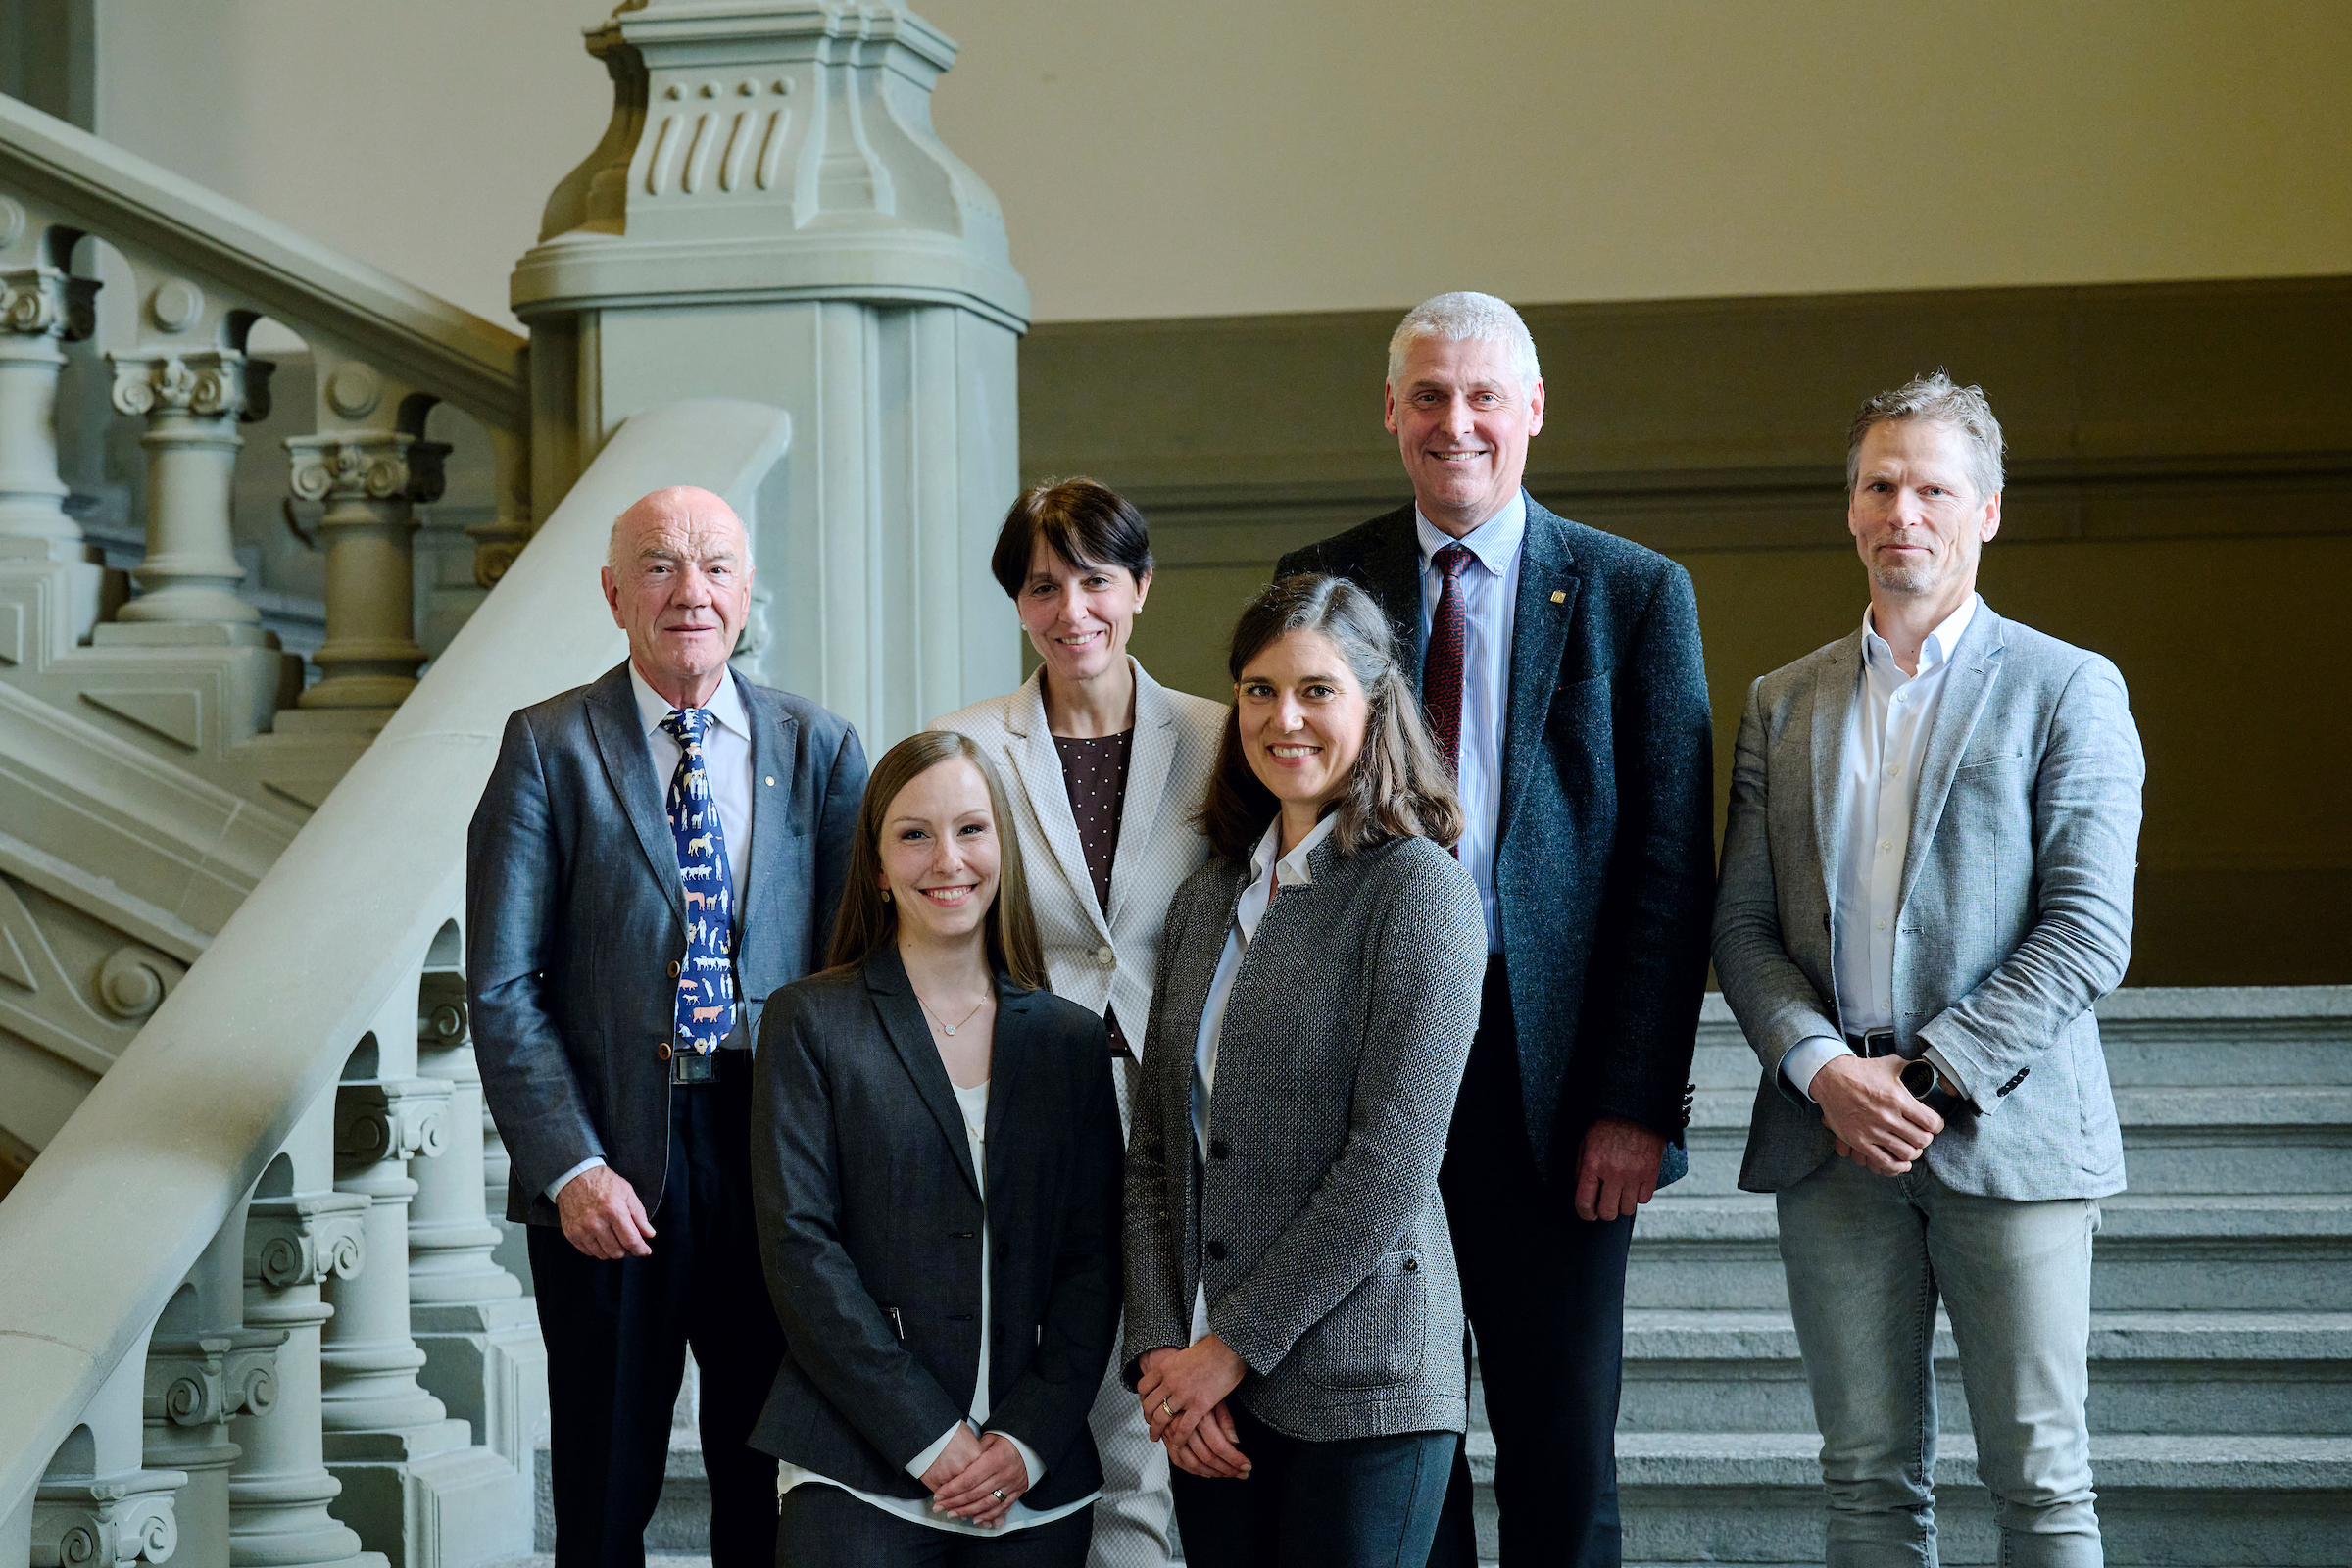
{"x": 886, "y": 895}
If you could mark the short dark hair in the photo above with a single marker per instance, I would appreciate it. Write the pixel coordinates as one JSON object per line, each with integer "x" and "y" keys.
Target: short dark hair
{"x": 1083, "y": 521}
{"x": 1400, "y": 787}
{"x": 868, "y": 922}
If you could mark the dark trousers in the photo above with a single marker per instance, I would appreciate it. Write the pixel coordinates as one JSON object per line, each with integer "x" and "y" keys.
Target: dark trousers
{"x": 1545, "y": 1294}
{"x": 1362, "y": 1502}
{"x": 825, "y": 1527}
{"x": 616, "y": 1334}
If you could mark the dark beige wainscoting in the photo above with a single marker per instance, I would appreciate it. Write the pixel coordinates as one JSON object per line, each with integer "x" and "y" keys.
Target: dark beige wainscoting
{"x": 2179, "y": 499}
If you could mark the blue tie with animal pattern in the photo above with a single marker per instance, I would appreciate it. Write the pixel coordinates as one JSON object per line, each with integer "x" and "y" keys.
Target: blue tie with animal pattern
{"x": 707, "y": 978}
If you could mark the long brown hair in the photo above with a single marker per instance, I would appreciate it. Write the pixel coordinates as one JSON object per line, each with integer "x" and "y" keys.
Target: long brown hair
{"x": 1399, "y": 787}
{"x": 868, "y": 921}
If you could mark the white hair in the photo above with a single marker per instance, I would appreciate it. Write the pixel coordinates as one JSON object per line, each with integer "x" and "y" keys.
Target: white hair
{"x": 1457, "y": 319}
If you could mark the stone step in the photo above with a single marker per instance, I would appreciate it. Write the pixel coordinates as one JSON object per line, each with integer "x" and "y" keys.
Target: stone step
{"x": 681, "y": 1524}
{"x": 2150, "y": 1372}
{"x": 2191, "y": 1499}
{"x": 2156, "y": 1253}
{"x": 2176, "y": 1140}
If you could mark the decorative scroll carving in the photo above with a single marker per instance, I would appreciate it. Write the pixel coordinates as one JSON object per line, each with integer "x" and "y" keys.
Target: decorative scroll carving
{"x": 46, "y": 302}
{"x": 108, "y": 1523}
{"x": 301, "y": 1240}
{"x": 194, "y": 1383}
{"x": 390, "y": 1118}
{"x": 208, "y": 382}
{"x": 383, "y": 466}
{"x": 133, "y": 981}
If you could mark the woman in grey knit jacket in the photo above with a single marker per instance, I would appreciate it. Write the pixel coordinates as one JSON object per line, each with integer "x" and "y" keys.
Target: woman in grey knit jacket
{"x": 1293, "y": 1320}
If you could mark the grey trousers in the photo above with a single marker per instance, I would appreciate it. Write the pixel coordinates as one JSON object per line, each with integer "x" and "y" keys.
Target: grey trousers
{"x": 1868, "y": 1257}
{"x": 1130, "y": 1517}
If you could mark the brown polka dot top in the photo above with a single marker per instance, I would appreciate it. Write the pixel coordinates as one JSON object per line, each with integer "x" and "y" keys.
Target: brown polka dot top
{"x": 1094, "y": 770}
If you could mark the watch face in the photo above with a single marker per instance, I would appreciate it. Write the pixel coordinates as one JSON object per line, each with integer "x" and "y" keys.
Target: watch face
{"x": 1920, "y": 1078}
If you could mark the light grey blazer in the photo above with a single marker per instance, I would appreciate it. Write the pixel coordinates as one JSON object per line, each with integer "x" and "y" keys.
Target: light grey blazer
{"x": 1095, "y": 959}
{"x": 1315, "y": 1227}
{"x": 2013, "y": 916}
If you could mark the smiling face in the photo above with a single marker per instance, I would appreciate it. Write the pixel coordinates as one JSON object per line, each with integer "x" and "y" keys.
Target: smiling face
{"x": 1301, "y": 713}
{"x": 1078, "y": 618}
{"x": 1462, "y": 419}
{"x": 1917, "y": 521}
{"x": 680, "y": 583}
{"x": 939, "y": 853}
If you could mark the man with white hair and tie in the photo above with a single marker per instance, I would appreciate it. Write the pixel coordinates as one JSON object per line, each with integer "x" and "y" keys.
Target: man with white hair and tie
{"x": 655, "y": 853}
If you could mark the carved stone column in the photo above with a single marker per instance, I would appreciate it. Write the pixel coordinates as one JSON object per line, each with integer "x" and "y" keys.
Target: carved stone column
{"x": 480, "y": 1338}
{"x": 415, "y": 1484}
{"x": 40, "y": 307}
{"x": 99, "y": 1505}
{"x": 204, "y": 1368}
{"x": 297, "y": 1237}
{"x": 371, "y": 482}
{"x": 192, "y": 401}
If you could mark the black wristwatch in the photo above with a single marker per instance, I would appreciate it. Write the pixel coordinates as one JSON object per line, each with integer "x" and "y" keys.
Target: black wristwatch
{"x": 1919, "y": 1075}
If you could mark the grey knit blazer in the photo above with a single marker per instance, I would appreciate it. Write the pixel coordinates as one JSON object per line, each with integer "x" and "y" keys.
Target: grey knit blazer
{"x": 1316, "y": 1225}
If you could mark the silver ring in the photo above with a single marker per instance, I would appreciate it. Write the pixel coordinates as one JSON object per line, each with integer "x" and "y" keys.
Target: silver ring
{"x": 998, "y": 1495}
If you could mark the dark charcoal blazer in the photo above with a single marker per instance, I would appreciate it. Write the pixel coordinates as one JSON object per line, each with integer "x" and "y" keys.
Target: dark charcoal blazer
{"x": 1316, "y": 1226}
{"x": 575, "y": 918}
{"x": 863, "y": 1185}
{"x": 1604, "y": 863}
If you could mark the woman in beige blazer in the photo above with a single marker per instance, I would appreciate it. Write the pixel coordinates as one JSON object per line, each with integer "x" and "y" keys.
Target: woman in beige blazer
{"x": 1105, "y": 769}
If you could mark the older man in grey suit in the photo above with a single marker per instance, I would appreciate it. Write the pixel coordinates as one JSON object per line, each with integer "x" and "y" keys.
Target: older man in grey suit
{"x": 655, "y": 853}
{"x": 1927, "y": 883}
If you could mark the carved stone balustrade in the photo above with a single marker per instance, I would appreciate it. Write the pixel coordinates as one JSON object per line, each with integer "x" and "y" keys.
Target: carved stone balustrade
{"x": 192, "y": 401}
{"x": 205, "y": 1368}
{"x": 99, "y": 1505}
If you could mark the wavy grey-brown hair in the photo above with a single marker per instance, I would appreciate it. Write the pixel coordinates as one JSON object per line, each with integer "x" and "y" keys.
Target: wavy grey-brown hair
{"x": 1933, "y": 400}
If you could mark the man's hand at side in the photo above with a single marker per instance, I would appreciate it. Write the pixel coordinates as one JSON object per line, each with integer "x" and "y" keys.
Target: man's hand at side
{"x": 602, "y": 1217}
{"x": 1618, "y": 1171}
{"x": 1877, "y": 1121}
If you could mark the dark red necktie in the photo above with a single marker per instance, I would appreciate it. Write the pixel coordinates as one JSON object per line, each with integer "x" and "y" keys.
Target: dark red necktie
{"x": 1442, "y": 668}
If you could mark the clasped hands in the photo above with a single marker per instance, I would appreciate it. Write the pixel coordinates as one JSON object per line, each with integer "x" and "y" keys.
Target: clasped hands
{"x": 977, "y": 1479}
{"x": 1182, "y": 1395}
{"x": 1879, "y": 1124}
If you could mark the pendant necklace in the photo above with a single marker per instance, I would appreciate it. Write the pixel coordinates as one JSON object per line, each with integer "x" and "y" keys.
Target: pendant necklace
{"x": 951, "y": 1028}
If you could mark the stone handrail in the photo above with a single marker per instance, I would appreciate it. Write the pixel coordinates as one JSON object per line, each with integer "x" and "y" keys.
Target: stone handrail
{"x": 476, "y": 364}
{"x": 119, "y": 1208}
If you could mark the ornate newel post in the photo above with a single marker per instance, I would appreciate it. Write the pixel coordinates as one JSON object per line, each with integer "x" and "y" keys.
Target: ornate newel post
{"x": 99, "y": 1505}
{"x": 416, "y": 1484}
{"x": 299, "y": 1233}
{"x": 40, "y": 308}
{"x": 371, "y": 469}
{"x": 770, "y": 215}
{"x": 480, "y": 1338}
{"x": 204, "y": 1368}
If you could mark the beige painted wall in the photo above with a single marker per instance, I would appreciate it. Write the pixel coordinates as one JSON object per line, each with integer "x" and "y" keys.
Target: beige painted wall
{"x": 1230, "y": 156}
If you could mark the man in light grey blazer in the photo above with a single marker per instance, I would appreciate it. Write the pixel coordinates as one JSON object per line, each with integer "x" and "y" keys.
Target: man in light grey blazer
{"x": 1927, "y": 883}
{"x": 653, "y": 854}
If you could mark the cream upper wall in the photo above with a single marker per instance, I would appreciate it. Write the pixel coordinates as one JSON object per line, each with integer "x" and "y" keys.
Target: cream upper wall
{"x": 1216, "y": 157}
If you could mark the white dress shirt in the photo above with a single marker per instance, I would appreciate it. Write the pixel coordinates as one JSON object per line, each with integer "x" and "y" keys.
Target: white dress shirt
{"x": 727, "y": 759}
{"x": 1265, "y": 874}
{"x": 973, "y": 1103}
{"x": 1490, "y": 590}
{"x": 1886, "y": 734}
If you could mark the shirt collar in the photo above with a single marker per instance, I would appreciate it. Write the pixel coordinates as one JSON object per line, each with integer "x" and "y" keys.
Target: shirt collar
{"x": 1933, "y": 653}
{"x": 725, "y": 706}
{"x": 1494, "y": 542}
{"x": 1290, "y": 870}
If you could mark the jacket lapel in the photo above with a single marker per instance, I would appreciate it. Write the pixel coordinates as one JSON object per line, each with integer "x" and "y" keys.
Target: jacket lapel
{"x": 903, "y": 1020}
{"x": 1008, "y": 1060}
{"x": 1036, "y": 770}
{"x": 1392, "y": 571}
{"x": 614, "y": 720}
{"x": 1539, "y": 633}
{"x": 1834, "y": 696}
{"x": 775, "y": 739}
{"x": 1966, "y": 687}
{"x": 1153, "y": 753}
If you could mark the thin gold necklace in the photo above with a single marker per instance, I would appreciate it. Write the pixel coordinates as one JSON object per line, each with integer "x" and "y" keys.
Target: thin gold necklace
{"x": 951, "y": 1028}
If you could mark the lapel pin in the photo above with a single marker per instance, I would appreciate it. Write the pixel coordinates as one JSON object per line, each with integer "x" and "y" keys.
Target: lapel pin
{"x": 1559, "y": 598}
{"x": 771, "y": 779}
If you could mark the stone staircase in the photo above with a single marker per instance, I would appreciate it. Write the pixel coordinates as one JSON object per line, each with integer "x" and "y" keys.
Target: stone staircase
{"x": 2220, "y": 1401}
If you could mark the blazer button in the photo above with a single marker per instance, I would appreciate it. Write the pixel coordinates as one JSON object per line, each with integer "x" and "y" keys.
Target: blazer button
{"x": 1106, "y": 955}
{"x": 673, "y": 968}
{"x": 662, "y": 1051}
{"x": 1412, "y": 1266}
{"x": 1216, "y": 1251}
{"x": 1217, "y": 1149}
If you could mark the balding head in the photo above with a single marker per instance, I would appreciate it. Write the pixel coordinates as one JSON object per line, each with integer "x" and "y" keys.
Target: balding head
{"x": 679, "y": 579}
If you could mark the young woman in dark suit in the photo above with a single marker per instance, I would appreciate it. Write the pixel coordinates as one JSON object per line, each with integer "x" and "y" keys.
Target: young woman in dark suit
{"x": 1294, "y": 1319}
{"x": 935, "y": 1172}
